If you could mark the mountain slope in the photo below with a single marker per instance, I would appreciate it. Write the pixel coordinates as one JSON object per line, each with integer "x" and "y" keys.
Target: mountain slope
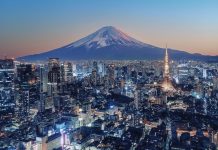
{"x": 111, "y": 43}
{"x": 104, "y": 37}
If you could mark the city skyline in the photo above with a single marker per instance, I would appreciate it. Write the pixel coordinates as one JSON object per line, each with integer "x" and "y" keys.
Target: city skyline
{"x": 35, "y": 27}
{"x": 108, "y": 75}
{"x": 110, "y": 104}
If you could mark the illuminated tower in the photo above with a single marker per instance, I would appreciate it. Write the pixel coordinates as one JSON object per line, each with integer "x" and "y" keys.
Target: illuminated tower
{"x": 166, "y": 64}
{"x": 167, "y": 85}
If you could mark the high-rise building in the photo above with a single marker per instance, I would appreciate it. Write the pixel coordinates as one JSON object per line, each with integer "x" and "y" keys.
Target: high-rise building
{"x": 41, "y": 103}
{"x": 95, "y": 66}
{"x": 74, "y": 66}
{"x": 136, "y": 99}
{"x": 24, "y": 79}
{"x": 54, "y": 77}
{"x": 7, "y": 72}
{"x": 67, "y": 71}
{"x": 204, "y": 73}
{"x": 183, "y": 72}
{"x": 94, "y": 77}
{"x": 54, "y": 80}
{"x": 215, "y": 83}
{"x": 111, "y": 75}
{"x": 25, "y": 73}
{"x": 25, "y": 100}
{"x": 43, "y": 77}
{"x": 101, "y": 69}
{"x": 53, "y": 63}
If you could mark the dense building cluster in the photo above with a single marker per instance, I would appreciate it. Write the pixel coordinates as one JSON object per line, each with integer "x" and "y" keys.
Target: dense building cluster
{"x": 119, "y": 105}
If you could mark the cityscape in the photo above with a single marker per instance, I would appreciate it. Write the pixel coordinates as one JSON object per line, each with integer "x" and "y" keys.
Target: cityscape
{"x": 107, "y": 91}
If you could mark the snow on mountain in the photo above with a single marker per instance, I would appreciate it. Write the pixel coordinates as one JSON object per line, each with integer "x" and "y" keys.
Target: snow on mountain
{"x": 107, "y": 36}
{"x": 112, "y": 44}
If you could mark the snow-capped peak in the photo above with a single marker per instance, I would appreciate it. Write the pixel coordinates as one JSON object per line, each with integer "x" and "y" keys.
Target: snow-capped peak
{"x": 107, "y": 36}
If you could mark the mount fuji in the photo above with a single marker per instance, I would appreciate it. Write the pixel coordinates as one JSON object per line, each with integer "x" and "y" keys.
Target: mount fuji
{"x": 111, "y": 43}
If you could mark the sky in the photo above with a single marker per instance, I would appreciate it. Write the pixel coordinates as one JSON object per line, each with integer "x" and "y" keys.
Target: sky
{"x": 35, "y": 26}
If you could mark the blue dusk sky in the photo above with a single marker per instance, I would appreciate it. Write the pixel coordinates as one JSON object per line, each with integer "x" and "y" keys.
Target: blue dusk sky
{"x": 34, "y": 26}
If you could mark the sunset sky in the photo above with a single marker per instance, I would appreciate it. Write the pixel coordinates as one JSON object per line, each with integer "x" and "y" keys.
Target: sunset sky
{"x": 34, "y": 26}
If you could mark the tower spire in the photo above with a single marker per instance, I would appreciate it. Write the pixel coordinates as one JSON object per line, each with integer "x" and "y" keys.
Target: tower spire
{"x": 166, "y": 63}
{"x": 167, "y": 85}
{"x": 166, "y": 52}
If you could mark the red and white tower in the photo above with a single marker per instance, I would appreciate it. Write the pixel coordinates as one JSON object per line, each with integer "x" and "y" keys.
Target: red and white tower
{"x": 167, "y": 85}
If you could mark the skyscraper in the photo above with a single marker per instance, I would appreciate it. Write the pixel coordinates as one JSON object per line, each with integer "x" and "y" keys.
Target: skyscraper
{"x": 25, "y": 81}
{"x": 53, "y": 76}
{"x": 136, "y": 98}
{"x": 7, "y": 72}
{"x": 41, "y": 104}
{"x": 111, "y": 76}
{"x": 25, "y": 100}
{"x": 67, "y": 71}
